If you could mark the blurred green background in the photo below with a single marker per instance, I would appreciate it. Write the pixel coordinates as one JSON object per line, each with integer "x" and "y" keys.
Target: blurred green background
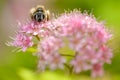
{"x": 23, "y": 66}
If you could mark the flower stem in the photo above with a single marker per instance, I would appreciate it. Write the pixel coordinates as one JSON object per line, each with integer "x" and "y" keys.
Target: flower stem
{"x": 69, "y": 68}
{"x": 67, "y": 55}
{"x": 37, "y": 37}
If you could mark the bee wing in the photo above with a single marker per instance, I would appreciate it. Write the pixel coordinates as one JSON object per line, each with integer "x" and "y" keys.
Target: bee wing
{"x": 32, "y": 12}
{"x": 47, "y": 15}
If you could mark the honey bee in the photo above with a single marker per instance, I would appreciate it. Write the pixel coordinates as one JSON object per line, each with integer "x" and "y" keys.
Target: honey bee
{"x": 39, "y": 14}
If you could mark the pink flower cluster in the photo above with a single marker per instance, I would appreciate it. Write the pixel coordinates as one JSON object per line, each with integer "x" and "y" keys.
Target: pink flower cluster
{"x": 78, "y": 31}
{"x": 22, "y": 41}
{"x": 49, "y": 55}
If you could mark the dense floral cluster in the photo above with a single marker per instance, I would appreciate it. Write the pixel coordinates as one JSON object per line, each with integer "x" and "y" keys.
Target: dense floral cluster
{"x": 78, "y": 31}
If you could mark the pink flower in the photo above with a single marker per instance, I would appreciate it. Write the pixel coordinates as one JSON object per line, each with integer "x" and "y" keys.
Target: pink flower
{"x": 52, "y": 61}
{"x": 49, "y": 53}
{"x": 30, "y": 28}
{"x": 57, "y": 61}
{"x": 40, "y": 29}
{"x": 80, "y": 64}
{"x": 106, "y": 54}
{"x": 50, "y": 45}
{"x": 97, "y": 70}
{"x": 22, "y": 41}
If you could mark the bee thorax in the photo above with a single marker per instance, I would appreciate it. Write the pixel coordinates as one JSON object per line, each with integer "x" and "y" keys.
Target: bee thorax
{"x": 38, "y": 16}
